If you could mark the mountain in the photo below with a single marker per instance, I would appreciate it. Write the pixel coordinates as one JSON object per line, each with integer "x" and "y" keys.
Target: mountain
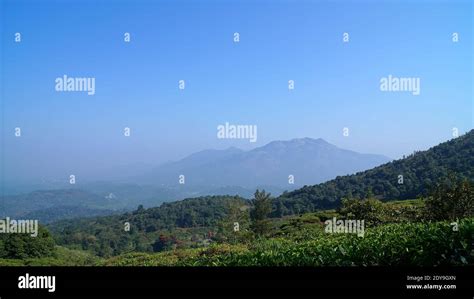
{"x": 308, "y": 160}
{"x": 195, "y": 217}
{"x": 420, "y": 172}
{"x": 208, "y": 172}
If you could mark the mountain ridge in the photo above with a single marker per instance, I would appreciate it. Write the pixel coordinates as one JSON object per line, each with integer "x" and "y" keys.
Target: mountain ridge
{"x": 307, "y": 159}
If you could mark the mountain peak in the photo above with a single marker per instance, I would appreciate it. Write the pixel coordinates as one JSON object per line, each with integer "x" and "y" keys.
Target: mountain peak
{"x": 310, "y": 160}
{"x": 308, "y": 140}
{"x": 296, "y": 143}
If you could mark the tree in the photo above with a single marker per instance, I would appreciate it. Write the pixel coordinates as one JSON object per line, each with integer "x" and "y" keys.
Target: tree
{"x": 369, "y": 194}
{"x": 370, "y": 210}
{"x": 450, "y": 200}
{"x": 280, "y": 209}
{"x": 234, "y": 227}
{"x": 22, "y": 246}
{"x": 163, "y": 243}
{"x": 140, "y": 209}
{"x": 261, "y": 207}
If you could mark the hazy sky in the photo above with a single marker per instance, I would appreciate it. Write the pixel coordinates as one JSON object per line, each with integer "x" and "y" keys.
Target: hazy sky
{"x": 337, "y": 84}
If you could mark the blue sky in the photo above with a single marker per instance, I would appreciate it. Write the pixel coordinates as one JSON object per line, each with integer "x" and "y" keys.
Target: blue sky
{"x": 336, "y": 83}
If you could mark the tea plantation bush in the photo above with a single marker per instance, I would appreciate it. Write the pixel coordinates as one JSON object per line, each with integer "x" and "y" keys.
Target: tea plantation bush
{"x": 409, "y": 244}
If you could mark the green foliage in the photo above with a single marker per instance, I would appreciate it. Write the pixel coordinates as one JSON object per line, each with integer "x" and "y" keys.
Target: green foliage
{"x": 404, "y": 244}
{"x": 299, "y": 241}
{"x": 164, "y": 243}
{"x": 11, "y": 262}
{"x": 451, "y": 199}
{"x": 261, "y": 207}
{"x": 303, "y": 227}
{"x": 186, "y": 220}
{"x": 185, "y": 257}
{"x": 239, "y": 215}
{"x": 403, "y": 211}
{"x": 22, "y": 246}
{"x": 326, "y": 214}
{"x": 61, "y": 257}
{"x": 370, "y": 210}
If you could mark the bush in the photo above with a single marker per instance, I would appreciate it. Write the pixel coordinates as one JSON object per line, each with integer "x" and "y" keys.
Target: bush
{"x": 370, "y": 210}
{"x": 23, "y": 246}
{"x": 450, "y": 200}
{"x": 405, "y": 244}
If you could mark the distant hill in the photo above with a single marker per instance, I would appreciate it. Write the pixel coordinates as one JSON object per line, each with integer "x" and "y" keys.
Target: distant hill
{"x": 105, "y": 198}
{"x": 52, "y": 205}
{"x": 17, "y": 205}
{"x": 52, "y": 214}
{"x": 106, "y": 235}
{"x": 308, "y": 160}
{"x": 420, "y": 172}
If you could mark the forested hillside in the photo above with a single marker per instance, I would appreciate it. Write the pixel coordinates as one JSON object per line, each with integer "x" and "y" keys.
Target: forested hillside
{"x": 406, "y": 178}
{"x": 140, "y": 229}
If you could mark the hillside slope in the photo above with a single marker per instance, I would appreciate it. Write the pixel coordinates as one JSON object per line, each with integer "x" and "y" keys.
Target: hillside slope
{"x": 108, "y": 235}
{"x": 420, "y": 171}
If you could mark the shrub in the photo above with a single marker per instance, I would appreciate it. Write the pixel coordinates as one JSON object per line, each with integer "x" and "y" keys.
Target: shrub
{"x": 371, "y": 210}
{"x": 404, "y": 244}
{"x": 450, "y": 200}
